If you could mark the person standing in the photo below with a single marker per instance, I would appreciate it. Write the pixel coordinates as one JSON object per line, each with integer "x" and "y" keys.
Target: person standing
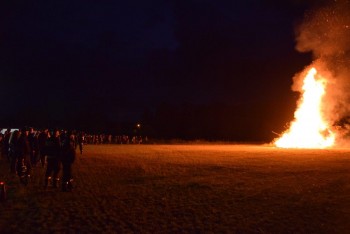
{"x": 13, "y": 150}
{"x": 36, "y": 147}
{"x": 67, "y": 159}
{"x": 80, "y": 139}
{"x": 6, "y": 146}
{"x": 41, "y": 145}
{"x": 52, "y": 149}
{"x": 31, "y": 139}
{"x": 24, "y": 166}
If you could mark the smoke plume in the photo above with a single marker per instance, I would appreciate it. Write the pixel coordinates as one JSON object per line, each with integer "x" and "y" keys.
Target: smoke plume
{"x": 326, "y": 33}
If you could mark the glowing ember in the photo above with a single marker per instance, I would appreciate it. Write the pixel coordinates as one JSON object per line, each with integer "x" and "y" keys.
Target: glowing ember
{"x": 309, "y": 129}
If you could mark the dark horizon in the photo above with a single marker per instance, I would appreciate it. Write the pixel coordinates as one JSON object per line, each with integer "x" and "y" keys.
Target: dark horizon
{"x": 188, "y": 69}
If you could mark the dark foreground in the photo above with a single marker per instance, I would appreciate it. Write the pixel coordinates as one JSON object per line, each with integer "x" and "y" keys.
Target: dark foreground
{"x": 187, "y": 189}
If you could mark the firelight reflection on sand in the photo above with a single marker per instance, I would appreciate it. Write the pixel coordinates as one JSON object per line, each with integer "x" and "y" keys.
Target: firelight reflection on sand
{"x": 309, "y": 129}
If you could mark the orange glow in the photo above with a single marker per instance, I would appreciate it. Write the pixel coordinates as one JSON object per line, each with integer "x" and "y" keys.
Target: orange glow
{"x": 309, "y": 129}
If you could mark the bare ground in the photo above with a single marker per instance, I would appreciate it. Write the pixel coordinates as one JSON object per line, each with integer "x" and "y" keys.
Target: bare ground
{"x": 187, "y": 189}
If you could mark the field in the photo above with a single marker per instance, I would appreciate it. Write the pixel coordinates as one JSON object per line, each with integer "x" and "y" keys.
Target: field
{"x": 187, "y": 189}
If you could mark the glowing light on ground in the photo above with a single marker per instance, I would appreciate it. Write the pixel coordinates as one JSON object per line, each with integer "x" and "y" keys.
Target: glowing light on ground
{"x": 309, "y": 129}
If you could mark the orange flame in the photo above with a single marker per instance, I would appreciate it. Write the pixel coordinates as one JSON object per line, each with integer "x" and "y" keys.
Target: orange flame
{"x": 309, "y": 129}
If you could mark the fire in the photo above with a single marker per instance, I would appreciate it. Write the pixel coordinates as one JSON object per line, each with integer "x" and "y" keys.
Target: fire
{"x": 309, "y": 129}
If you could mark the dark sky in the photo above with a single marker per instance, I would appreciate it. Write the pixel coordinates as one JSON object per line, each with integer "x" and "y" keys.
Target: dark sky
{"x": 63, "y": 59}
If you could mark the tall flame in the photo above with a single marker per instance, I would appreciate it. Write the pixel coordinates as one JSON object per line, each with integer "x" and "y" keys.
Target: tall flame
{"x": 309, "y": 129}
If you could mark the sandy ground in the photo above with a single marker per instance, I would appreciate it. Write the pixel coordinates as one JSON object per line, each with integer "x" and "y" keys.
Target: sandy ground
{"x": 187, "y": 189}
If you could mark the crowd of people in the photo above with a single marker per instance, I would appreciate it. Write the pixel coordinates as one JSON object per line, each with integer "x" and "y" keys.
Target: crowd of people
{"x": 110, "y": 139}
{"x": 27, "y": 148}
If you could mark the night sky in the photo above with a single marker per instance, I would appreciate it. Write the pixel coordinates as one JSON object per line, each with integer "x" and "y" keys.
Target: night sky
{"x": 80, "y": 63}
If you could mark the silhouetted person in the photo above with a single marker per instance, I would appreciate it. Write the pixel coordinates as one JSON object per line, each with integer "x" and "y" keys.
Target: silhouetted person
{"x": 6, "y": 146}
{"x": 1, "y": 143}
{"x": 52, "y": 148}
{"x": 13, "y": 150}
{"x": 31, "y": 140}
{"x": 80, "y": 139}
{"x": 67, "y": 159}
{"x": 41, "y": 145}
{"x": 23, "y": 162}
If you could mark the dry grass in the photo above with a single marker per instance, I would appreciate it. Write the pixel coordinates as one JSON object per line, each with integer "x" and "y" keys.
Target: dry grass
{"x": 187, "y": 189}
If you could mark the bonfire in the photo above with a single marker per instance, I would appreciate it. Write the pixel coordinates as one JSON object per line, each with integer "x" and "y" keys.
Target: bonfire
{"x": 309, "y": 129}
